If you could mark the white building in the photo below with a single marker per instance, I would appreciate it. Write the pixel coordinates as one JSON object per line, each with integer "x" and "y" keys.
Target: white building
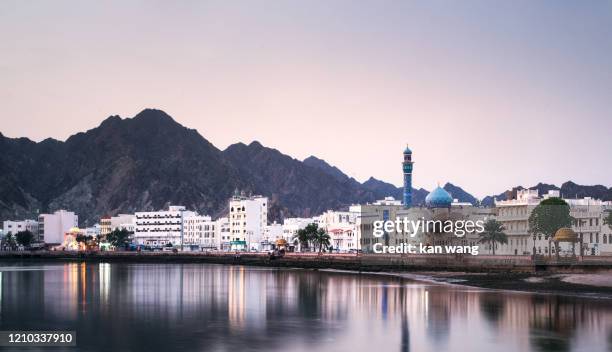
{"x": 272, "y": 233}
{"x": 158, "y": 228}
{"x": 93, "y": 231}
{"x": 248, "y": 217}
{"x": 123, "y": 222}
{"x": 12, "y": 227}
{"x": 52, "y": 227}
{"x": 222, "y": 234}
{"x": 342, "y": 229}
{"x": 199, "y": 232}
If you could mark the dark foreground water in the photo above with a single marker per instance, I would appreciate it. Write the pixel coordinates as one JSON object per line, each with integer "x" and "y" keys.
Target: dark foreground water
{"x": 201, "y": 307}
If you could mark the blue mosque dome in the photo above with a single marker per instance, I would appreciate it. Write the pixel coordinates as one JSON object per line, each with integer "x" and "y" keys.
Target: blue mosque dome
{"x": 407, "y": 150}
{"x": 438, "y": 198}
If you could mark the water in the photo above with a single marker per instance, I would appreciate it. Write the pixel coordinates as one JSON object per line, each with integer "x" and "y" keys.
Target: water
{"x": 201, "y": 307}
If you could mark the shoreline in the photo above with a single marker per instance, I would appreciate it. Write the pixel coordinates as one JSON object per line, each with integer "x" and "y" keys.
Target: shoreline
{"x": 588, "y": 281}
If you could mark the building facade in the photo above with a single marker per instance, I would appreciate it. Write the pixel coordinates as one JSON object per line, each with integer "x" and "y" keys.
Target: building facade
{"x": 160, "y": 228}
{"x": 588, "y": 214}
{"x": 13, "y": 227}
{"x": 248, "y": 217}
{"x": 52, "y": 227}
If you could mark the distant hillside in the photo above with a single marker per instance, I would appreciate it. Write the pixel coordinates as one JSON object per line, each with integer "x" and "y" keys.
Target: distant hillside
{"x": 150, "y": 161}
{"x": 459, "y": 194}
{"x": 568, "y": 189}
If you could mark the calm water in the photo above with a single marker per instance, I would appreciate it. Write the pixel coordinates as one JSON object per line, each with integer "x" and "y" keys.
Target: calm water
{"x": 200, "y": 307}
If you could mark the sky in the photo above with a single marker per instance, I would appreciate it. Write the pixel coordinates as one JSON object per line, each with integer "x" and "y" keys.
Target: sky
{"x": 488, "y": 94}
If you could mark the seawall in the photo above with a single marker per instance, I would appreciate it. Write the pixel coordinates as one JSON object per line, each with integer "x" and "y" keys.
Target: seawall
{"x": 355, "y": 262}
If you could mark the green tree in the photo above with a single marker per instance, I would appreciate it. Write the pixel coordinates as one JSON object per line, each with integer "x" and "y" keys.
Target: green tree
{"x": 322, "y": 239}
{"x": 9, "y": 242}
{"x": 306, "y": 235}
{"x": 119, "y": 238}
{"x": 493, "y": 233}
{"x": 24, "y": 238}
{"x": 608, "y": 218}
{"x": 549, "y": 216}
{"x": 87, "y": 240}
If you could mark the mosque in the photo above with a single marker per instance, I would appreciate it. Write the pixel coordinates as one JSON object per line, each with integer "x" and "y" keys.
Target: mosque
{"x": 439, "y": 205}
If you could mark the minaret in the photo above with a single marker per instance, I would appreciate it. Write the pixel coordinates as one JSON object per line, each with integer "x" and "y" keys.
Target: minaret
{"x": 407, "y": 167}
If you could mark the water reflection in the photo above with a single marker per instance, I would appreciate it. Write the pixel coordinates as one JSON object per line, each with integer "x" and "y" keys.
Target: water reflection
{"x": 211, "y": 307}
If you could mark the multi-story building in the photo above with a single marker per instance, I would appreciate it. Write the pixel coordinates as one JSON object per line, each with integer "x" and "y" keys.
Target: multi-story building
{"x": 222, "y": 234}
{"x": 13, "y": 227}
{"x": 123, "y": 222}
{"x": 158, "y": 228}
{"x": 382, "y": 210}
{"x": 341, "y": 227}
{"x": 52, "y": 227}
{"x": 440, "y": 207}
{"x": 248, "y": 217}
{"x": 291, "y": 226}
{"x": 588, "y": 223}
{"x": 199, "y": 232}
{"x": 105, "y": 225}
{"x": 272, "y": 233}
{"x": 514, "y": 216}
{"x": 118, "y": 222}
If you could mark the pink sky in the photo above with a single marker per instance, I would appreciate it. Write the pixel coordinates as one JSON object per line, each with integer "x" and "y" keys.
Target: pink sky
{"x": 488, "y": 95}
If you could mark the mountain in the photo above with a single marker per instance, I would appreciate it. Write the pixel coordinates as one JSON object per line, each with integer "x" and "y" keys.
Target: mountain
{"x": 123, "y": 165}
{"x": 150, "y": 161}
{"x": 322, "y": 165}
{"x": 568, "y": 189}
{"x": 383, "y": 189}
{"x": 459, "y": 194}
{"x": 379, "y": 188}
{"x": 299, "y": 188}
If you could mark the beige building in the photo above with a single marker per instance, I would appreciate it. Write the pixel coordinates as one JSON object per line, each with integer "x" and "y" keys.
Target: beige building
{"x": 439, "y": 206}
{"x": 587, "y": 212}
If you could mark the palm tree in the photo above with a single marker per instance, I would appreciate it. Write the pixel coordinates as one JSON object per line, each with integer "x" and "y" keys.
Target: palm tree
{"x": 322, "y": 239}
{"x": 306, "y": 235}
{"x": 493, "y": 233}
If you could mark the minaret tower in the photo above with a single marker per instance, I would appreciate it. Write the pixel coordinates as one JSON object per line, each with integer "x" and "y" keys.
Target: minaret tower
{"x": 407, "y": 167}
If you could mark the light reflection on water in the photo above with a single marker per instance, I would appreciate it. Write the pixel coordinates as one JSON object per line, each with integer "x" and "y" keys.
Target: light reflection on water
{"x": 160, "y": 307}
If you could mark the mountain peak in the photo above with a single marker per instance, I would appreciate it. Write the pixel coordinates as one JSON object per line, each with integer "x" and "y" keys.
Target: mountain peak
{"x": 111, "y": 120}
{"x": 151, "y": 115}
{"x": 324, "y": 166}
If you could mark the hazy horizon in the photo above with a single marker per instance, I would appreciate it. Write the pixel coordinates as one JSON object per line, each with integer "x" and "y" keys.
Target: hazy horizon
{"x": 488, "y": 95}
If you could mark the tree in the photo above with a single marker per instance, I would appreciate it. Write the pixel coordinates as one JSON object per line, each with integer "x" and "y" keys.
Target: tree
{"x": 119, "y": 238}
{"x": 322, "y": 239}
{"x": 608, "y": 218}
{"x": 549, "y": 216}
{"x": 87, "y": 241}
{"x": 493, "y": 233}
{"x": 24, "y": 238}
{"x": 307, "y": 235}
{"x": 9, "y": 242}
